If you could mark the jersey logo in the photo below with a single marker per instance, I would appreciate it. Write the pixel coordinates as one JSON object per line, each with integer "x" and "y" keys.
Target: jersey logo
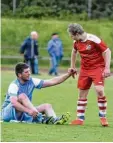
{"x": 100, "y": 82}
{"x": 88, "y": 47}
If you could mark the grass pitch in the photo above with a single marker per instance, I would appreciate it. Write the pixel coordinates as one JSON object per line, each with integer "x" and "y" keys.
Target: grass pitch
{"x": 63, "y": 98}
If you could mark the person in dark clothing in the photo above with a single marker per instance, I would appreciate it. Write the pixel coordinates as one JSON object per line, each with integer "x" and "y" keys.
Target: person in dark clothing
{"x": 29, "y": 49}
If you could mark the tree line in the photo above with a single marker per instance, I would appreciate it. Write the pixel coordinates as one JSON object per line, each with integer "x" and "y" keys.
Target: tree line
{"x": 59, "y": 8}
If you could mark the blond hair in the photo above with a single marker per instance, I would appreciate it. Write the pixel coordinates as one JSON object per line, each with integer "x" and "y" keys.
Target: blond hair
{"x": 74, "y": 28}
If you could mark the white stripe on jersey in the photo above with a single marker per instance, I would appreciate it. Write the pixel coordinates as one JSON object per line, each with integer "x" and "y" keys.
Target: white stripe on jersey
{"x": 93, "y": 38}
{"x": 13, "y": 89}
{"x": 106, "y": 50}
{"x": 36, "y": 81}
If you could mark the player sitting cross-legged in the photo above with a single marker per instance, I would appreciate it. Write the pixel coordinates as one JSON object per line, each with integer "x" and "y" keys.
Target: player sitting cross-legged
{"x": 18, "y": 106}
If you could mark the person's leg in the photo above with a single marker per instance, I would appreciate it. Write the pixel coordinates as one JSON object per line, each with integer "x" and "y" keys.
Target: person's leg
{"x": 46, "y": 109}
{"x": 102, "y": 104}
{"x": 8, "y": 113}
{"x": 98, "y": 81}
{"x": 35, "y": 66}
{"x": 29, "y": 62}
{"x": 32, "y": 65}
{"x": 51, "y": 66}
{"x": 55, "y": 66}
{"x": 22, "y": 98}
{"x": 81, "y": 107}
{"x": 84, "y": 83}
{"x": 50, "y": 116}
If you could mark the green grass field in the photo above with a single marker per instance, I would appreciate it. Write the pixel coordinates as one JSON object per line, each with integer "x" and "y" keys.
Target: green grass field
{"x": 63, "y": 98}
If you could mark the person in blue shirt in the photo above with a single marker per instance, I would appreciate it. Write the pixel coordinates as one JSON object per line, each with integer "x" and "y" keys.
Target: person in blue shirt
{"x": 30, "y": 51}
{"x": 55, "y": 50}
{"x": 18, "y": 101}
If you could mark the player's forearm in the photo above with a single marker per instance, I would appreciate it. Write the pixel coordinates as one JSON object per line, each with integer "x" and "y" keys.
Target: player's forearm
{"x": 56, "y": 80}
{"x": 19, "y": 106}
{"x": 73, "y": 59}
{"x": 60, "y": 79}
{"x": 107, "y": 58}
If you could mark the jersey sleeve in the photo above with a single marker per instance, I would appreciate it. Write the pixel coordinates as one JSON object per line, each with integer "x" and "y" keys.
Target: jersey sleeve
{"x": 13, "y": 89}
{"x": 102, "y": 46}
{"x": 38, "y": 83}
{"x": 98, "y": 42}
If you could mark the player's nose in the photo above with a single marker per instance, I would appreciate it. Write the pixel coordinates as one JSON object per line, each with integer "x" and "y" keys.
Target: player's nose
{"x": 29, "y": 73}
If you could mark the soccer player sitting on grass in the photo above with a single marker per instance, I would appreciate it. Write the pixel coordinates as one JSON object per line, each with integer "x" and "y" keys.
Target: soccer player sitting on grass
{"x": 95, "y": 67}
{"x": 17, "y": 105}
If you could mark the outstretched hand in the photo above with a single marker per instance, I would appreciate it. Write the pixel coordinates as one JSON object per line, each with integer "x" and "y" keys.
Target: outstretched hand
{"x": 72, "y": 71}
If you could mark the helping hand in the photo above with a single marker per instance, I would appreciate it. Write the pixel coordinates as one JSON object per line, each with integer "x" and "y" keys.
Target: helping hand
{"x": 72, "y": 71}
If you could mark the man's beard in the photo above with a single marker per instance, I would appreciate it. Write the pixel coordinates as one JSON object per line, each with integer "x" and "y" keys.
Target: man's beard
{"x": 25, "y": 79}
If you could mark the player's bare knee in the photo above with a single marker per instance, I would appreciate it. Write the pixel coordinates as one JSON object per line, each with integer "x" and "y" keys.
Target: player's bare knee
{"x": 13, "y": 99}
{"x": 100, "y": 91}
{"x": 22, "y": 96}
{"x": 48, "y": 106}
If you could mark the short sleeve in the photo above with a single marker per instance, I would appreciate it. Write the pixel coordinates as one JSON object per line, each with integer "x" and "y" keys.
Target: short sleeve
{"x": 98, "y": 42}
{"x": 102, "y": 46}
{"x": 38, "y": 83}
{"x": 13, "y": 89}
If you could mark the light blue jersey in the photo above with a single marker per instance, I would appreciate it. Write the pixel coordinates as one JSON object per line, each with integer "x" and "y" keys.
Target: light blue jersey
{"x": 9, "y": 112}
{"x": 16, "y": 88}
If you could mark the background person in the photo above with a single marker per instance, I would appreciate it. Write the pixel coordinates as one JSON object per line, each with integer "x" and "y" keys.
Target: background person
{"x": 30, "y": 50}
{"x": 55, "y": 50}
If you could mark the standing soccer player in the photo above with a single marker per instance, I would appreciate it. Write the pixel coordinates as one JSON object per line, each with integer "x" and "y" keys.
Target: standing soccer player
{"x": 95, "y": 67}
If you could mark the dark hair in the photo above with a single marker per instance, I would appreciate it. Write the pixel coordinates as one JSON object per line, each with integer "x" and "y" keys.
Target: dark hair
{"x": 19, "y": 68}
{"x": 55, "y": 33}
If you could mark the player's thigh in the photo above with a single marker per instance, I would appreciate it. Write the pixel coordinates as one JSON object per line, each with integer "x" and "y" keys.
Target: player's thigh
{"x": 84, "y": 81}
{"x": 8, "y": 113}
{"x": 97, "y": 77}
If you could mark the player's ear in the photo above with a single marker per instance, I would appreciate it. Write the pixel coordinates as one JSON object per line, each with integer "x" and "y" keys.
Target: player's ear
{"x": 19, "y": 75}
